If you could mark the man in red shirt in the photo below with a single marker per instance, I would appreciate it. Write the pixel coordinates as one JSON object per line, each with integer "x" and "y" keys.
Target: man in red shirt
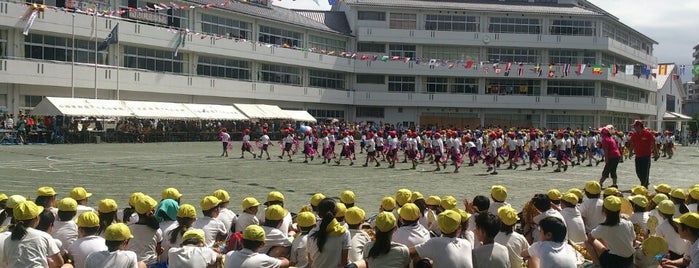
{"x": 643, "y": 145}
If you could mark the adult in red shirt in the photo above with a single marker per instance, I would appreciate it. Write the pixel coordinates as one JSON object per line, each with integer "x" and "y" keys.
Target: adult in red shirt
{"x": 643, "y": 145}
{"x": 612, "y": 155}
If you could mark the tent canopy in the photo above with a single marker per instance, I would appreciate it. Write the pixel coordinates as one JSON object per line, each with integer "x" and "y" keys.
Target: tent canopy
{"x": 65, "y": 106}
{"x": 301, "y": 116}
{"x": 673, "y": 116}
{"x": 262, "y": 111}
{"x": 110, "y": 108}
{"x": 210, "y": 111}
{"x": 159, "y": 110}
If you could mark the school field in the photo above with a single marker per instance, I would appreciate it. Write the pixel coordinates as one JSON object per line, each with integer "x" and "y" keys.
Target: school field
{"x": 116, "y": 170}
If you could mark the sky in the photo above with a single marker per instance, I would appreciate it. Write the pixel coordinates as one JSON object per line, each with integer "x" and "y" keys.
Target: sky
{"x": 668, "y": 22}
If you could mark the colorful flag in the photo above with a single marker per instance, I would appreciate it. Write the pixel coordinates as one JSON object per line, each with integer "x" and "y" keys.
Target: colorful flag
{"x": 433, "y": 62}
{"x": 675, "y": 76}
{"x": 395, "y": 58}
{"x": 662, "y": 69}
{"x": 385, "y": 58}
{"x": 507, "y": 68}
{"x": 520, "y": 72}
{"x": 645, "y": 70}
{"x": 612, "y": 69}
{"x": 485, "y": 69}
{"x": 364, "y": 57}
{"x": 682, "y": 69}
{"x": 552, "y": 73}
{"x": 374, "y": 57}
{"x": 695, "y": 70}
{"x": 539, "y": 71}
{"x": 112, "y": 38}
{"x": 597, "y": 69}
{"x": 406, "y": 59}
{"x": 418, "y": 60}
{"x": 629, "y": 69}
{"x": 497, "y": 70}
{"x": 180, "y": 41}
{"x": 451, "y": 65}
{"x": 566, "y": 69}
{"x": 30, "y": 21}
{"x": 468, "y": 65}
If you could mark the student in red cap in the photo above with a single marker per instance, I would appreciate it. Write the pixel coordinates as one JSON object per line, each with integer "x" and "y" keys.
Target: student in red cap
{"x": 642, "y": 144}
{"x": 246, "y": 147}
{"x": 225, "y": 138}
{"x": 288, "y": 143}
{"x": 264, "y": 140}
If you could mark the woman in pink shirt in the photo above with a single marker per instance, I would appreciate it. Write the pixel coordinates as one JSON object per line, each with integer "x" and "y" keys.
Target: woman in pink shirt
{"x": 611, "y": 157}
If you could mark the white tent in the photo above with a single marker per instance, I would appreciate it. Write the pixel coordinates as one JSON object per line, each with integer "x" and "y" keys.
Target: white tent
{"x": 110, "y": 108}
{"x": 220, "y": 112}
{"x": 262, "y": 111}
{"x": 159, "y": 110}
{"x": 301, "y": 116}
{"x": 64, "y": 106}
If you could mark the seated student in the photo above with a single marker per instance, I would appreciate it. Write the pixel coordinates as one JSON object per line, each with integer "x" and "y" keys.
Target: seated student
{"x": 107, "y": 209}
{"x": 128, "y": 215}
{"x": 618, "y": 236}
{"x": 555, "y": 196}
{"x": 647, "y": 255}
{"x": 354, "y": 217}
{"x": 383, "y": 252}
{"x": 480, "y": 205}
{"x": 591, "y": 208}
{"x": 225, "y": 215}
{"x": 277, "y": 198}
{"x": 668, "y": 229}
{"x": 448, "y": 250}
{"x": 340, "y": 214}
{"x": 640, "y": 215}
{"x": 305, "y": 221}
{"x": 65, "y": 229}
{"x": 490, "y": 254}
{"x": 147, "y": 235}
{"x": 253, "y": 240}
{"x": 551, "y": 251}
{"x": 172, "y": 236}
{"x": 433, "y": 209}
{"x": 410, "y": 233}
{"x": 542, "y": 203}
{"x": 27, "y": 246}
{"x": 214, "y": 229}
{"x": 249, "y": 215}
{"x": 688, "y": 226}
{"x": 573, "y": 220}
{"x": 499, "y": 194}
{"x": 276, "y": 243}
{"x": 88, "y": 241}
{"x": 193, "y": 253}
{"x": 11, "y": 203}
{"x": 117, "y": 255}
{"x": 81, "y": 197}
{"x": 515, "y": 242}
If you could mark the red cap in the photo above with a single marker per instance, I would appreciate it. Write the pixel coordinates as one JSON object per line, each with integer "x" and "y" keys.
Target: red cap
{"x": 437, "y": 135}
{"x": 308, "y": 131}
{"x": 224, "y": 129}
{"x": 637, "y": 123}
{"x": 264, "y": 131}
{"x": 604, "y": 130}
{"x": 246, "y": 131}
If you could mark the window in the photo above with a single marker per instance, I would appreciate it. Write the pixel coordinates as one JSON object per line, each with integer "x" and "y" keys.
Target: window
{"x": 178, "y": 18}
{"x": 452, "y": 23}
{"x": 455, "y": 85}
{"x": 32, "y": 101}
{"x": 401, "y": 83}
{"x": 562, "y": 121}
{"x": 153, "y": 59}
{"x": 325, "y": 79}
{"x": 464, "y": 85}
{"x": 371, "y": 79}
{"x": 371, "y": 47}
{"x": 571, "y": 56}
{"x": 327, "y": 44}
{"x": 280, "y": 74}
{"x": 363, "y": 111}
{"x": 271, "y": 35}
{"x": 222, "y": 67}
{"x": 625, "y": 93}
{"x": 403, "y": 21}
{"x": 513, "y": 55}
{"x": 512, "y": 87}
{"x": 573, "y": 27}
{"x": 450, "y": 52}
{"x": 514, "y": 25}
{"x": 401, "y": 50}
{"x": 225, "y": 26}
{"x": 3, "y": 43}
{"x": 437, "y": 84}
{"x": 46, "y": 47}
{"x": 320, "y": 113}
{"x": 570, "y": 88}
{"x": 371, "y": 15}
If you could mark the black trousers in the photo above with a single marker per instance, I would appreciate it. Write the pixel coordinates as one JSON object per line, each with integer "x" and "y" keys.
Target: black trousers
{"x": 610, "y": 168}
{"x": 643, "y": 169}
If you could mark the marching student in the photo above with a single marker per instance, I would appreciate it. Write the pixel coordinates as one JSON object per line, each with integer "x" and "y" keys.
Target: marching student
{"x": 264, "y": 141}
{"x": 370, "y": 149}
{"x": 246, "y": 146}
{"x": 288, "y": 143}
{"x": 225, "y": 139}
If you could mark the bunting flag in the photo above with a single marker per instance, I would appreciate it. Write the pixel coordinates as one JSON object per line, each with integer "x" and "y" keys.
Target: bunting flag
{"x": 539, "y": 70}
{"x": 406, "y": 59}
{"x": 552, "y": 73}
{"x": 180, "y": 41}
{"x": 645, "y": 70}
{"x": 612, "y": 70}
{"x": 675, "y": 76}
{"x": 418, "y": 60}
{"x": 395, "y": 58}
{"x": 597, "y": 69}
{"x": 432, "y": 62}
{"x": 581, "y": 69}
{"x": 34, "y": 13}
{"x": 453, "y": 64}
{"x": 566, "y": 69}
{"x": 112, "y": 38}
{"x": 662, "y": 69}
{"x": 520, "y": 72}
{"x": 695, "y": 70}
{"x": 507, "y": 68}
{"x": 497, "y": 70}
{"x": 629, "y": 69}
{"x": 375, "y": 57}
{"x": 354, "y": 55}
{"x": 384, "y": 58}
{"x": 468, "y": 65}
{"x": 485, "y": 69}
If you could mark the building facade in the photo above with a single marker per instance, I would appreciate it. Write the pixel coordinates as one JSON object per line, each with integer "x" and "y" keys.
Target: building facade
{"x": 458, "y": 63}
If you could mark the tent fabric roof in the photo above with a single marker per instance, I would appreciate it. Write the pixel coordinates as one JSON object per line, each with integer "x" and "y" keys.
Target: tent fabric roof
{"x": 110, "y": 108}
{"x": 262, "y": 111}
{"x": 300, "y": 115}
{"x": 159, "y": 110}
{"x": 210, "y": 111}
{"x": 65, "y": 106}
{"x": 673, "y": 116}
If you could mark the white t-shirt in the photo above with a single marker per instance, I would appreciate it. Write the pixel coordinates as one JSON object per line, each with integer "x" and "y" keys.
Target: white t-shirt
{"x": 332, "y": 250}
{"x": 66, "y": 232}
{"x": 225, "y": 137}
{"x": 191, "y": 257}
{"x": 553, "y": 255}
{"x": 131, "y": 220}
{"x": 248, "y": 259}
{"x": 412, "y": 235}
{"x": 591, "y": 211}
{"x": 549, "y": 213}
{"x": 495, "y": 205}
{"x": 674, "y": 242}
{"x": 398, "y": 256}
{"x": 116, "y": 259}
{"x": 82, "y": 248}
{"x": 144, "y": 242}
{"x": 447, "y": 252}
{"x": 515, "y": 243}
{"x": 299, "y": 254}
{"x": 619, "y": 238}
{"x": 274, "y": 238}
{"x": 491, "y": 255}
{"x": 640, "y": 219}
{"x": 284, "y": 226}
{"x": 358, "y": 241}
{"x": 211, "y": 227}
{"x": 3, "y": 236}
{"x": 31, "y": 251}
{"x": 264, "y": 139}
{"x": 228, "y": 217}
{"x": 245, "y": 219}
{"x": 575, "y": 225}
{"x": 694, "y": 255}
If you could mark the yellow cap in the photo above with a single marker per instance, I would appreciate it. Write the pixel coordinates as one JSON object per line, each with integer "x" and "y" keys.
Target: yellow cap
{"x": 570, "y": 198}
{"x": 612, "y": 203}
{"x": 409, "y": 212}
{"x": 275, "y": 196}
{"x": 26, "y": 210}
{"x": 678, "y": 193}
{"x": 354, "y": 215}
{"x": 275, "y": 213}
{"x": 577, "y": 192}
{"x": 3, "y": 197}
{"x": 14, "y": 200}
{"x": 117, "y": 232}
{"x": 611, "y": 191}
{"x": 464, "y": 215}
{"x": 662, "y": 188}
{"x": 305, "y": 219}
{"x": 340, "y": 209}
{"x": 145, "y": 204}
{"x": 88, "y": 219}
{"x": 654, "y": 245}
{"x": 385, "y": 221}
{"x": 448, "y": 202}
{"x": 249, "y": 202}
{"x": 498, "y": 193}
{"x": 134, "y": 197}
{"x": 45, "y": 191}
{"x": 388, "y": 203}
{"x": 657, "y": 198}
{"x": 593, "y": 187}
{"x": 171, "y": 193}
{"x": 254, "y": 233}
{"x": 416, "y": 196}
{"x": 554, "y": 194}
{"x": 347, "y": 197}
{"x": 403, "y": 196}
{"x": 187, "y": 211}
{"x": 693, "y": 192}
{"x": 316, "y": 198}
{"x": 222, "y": 195}
{"x": 508, "y": 215}
{"x": 79, "y": 193}
{"x": 107, "y": 206}
{"x": 67, "y": 204}
{"x": 194, "y": 234}
{"x": 639, "y": 200}
{"x": 433, "y": 200}
{"x": 448, "y": 221}
{"x": 666, "y": 207}
{"x": 639, "y": 189}
{"x": 209, "y": 202}
{"x": 690, "y": 219}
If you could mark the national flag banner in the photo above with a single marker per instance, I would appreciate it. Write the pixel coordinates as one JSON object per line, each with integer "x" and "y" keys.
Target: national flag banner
{"x": 433, "y": 62}
{"x": 662, "y": 69}
{"x": 180, "y": 41}
{"x": 468, "y": 65}
{"x": 498, "y": 70}
{"x": 597, "y": 69}
{"x": 675, "y": 76}
{"x": 331, "y": 53}
{"x": 364, "y": 57}
{"x": 566, "y": 69}
{"x": 552, "y": 73}
{"x": 451, "y": 65}
{"x": 30, "y": 21}
{"x": 406, "y": 59}
{"x": 395, "y": 58}
{"x": 507, "y": 68}
{"x": 520, "y": 72}
{"x": 629, "y": 69}
{"x": 645, "y": 70}
{"x": 354, "y": 55}
{"x": 112, "y": 38}
{"x": 695, "y": 70}
{"x": 343, "y": 54}
{"x": 175, "y": 6}
{"x": 485, "y": 69}
{"x": 612, "y": 69}
{"x": 374, "y": 57}
{"x": 384, "y": 58}
{"x": 418, "y": 60}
